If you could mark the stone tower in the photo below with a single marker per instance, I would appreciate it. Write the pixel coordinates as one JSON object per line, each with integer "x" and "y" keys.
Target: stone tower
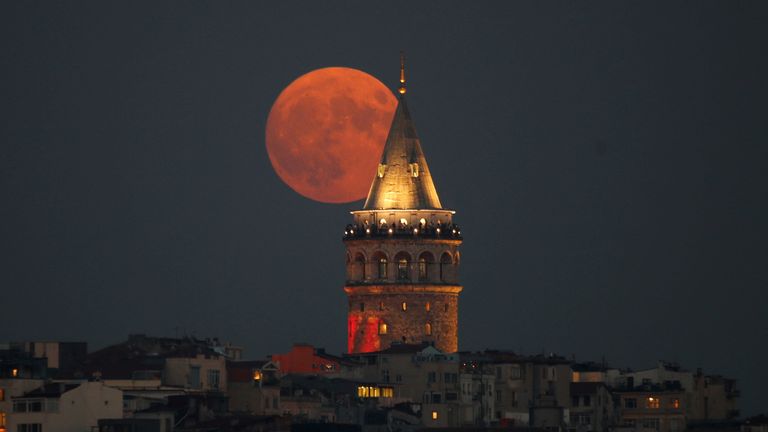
{"x": 402, "y": 252}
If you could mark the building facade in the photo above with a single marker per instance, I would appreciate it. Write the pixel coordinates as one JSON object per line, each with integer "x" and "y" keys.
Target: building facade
{"x": 402, "y": 252}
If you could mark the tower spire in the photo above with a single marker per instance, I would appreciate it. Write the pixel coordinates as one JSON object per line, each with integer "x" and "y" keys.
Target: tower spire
{"x": 401, "y": 90}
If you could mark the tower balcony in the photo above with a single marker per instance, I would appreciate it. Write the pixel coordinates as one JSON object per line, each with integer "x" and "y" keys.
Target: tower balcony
{"x": 443, "y": 231}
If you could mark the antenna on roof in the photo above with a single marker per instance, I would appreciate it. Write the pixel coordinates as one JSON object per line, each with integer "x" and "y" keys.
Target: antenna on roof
{"x": 401, "y": 90}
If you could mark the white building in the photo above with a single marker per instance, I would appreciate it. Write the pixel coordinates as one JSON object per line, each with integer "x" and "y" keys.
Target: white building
{"x": 65, "y": 407}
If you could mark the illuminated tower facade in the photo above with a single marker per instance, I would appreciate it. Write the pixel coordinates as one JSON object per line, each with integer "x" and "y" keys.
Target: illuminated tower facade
{"x": 402, "y": 252}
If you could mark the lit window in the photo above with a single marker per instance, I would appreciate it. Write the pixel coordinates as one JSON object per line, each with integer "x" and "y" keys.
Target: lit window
{"x": 257, "y": 375}
{"x": 422, "y": 269}
{"x": 427, "y": 307}
{"x": 404, "y": 306}
{"x": 403, "y": 221}
{"x": 653, "y": 402}
{"x": 428, "y": 329}
{"x": 434, "y": 415}
{"x": 382, "y": 268}
{"x": 382, "y": 221}
{"x": 368, "y": 392}
{"x": 382, "y": 328}
{"x": 387, "y": 392}
{"x": 414, "y": 168}
{"x": 402, "y": 269}
{"x": 14, "y": 372}
{"x": 675, "y": 403}
{"x": 423, "y": 222}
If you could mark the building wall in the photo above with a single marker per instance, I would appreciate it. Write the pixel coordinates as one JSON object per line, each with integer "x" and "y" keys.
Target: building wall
{"x": 524, "y": 385}
{"x": 371, "y": 307}
{"x": 712, "y": 399}
{"x": 478, "y": 396}
{"x": 303, "y": 359}
{"x": 178, "y": 372}
{"x": 10, "y": 388}
{"x": 592, "y": 411}
{"x": 382, "y": 296}
{"x": 428, "y": 378}
{"x": 252, "y": 398}
{"x": 78, "y": 410}
{"x": 669, "y": 416}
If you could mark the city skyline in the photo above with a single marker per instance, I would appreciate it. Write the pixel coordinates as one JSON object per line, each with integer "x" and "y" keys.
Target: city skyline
{"x": 608, "y": 163}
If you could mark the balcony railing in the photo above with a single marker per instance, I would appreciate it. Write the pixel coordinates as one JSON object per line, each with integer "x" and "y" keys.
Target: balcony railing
{"x": 447, "y": 231}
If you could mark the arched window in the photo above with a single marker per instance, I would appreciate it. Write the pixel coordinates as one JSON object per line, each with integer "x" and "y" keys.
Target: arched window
{"x": 428, "y": 329}
{"x": 426, "y": 261}
{"x": 403, "y": 266}
{"x": 382, "y": 328}
{"x": 427, "y": 307}
{"x": 404, "y": 306}
{"x": 381, "y": 265}
{"x": 360, "y": 266}
{"x": 445, "y": 266}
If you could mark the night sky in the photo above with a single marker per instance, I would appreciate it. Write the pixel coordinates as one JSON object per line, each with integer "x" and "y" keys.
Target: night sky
{"x": 608, "y": 163}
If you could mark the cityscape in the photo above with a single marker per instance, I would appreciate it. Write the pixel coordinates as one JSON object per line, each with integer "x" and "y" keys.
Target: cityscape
{"x": 403, "y": 370}
{"x": 253, "y": 217}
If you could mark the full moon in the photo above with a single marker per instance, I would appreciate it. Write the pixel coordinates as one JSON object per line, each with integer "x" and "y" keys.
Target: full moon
{"x": 326, "y": 132}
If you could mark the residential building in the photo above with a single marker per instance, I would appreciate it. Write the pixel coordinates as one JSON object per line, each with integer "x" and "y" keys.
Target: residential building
{"x": 63, "y": 359}
{"x": 19, "y": 374}
{"x": 714, "y": 398}
{"x": 418, "y": 374}
{"x": 65, "y": 407}
{"x": 477, "y": 394}
{"x": 652, "y": 406}
{"x": 186, "y": 363}
{"x": 592, "y": 407}
{"x": 306, "y": 359}
{"x": 254, "y": 387}
{"x": 530, "y": 390}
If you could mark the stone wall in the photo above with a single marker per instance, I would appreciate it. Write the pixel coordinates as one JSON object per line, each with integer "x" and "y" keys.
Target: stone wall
{"x": 383, "y": 314}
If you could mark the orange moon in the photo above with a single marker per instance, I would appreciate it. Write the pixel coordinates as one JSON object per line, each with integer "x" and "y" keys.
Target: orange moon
{"x": 326, "y": 132}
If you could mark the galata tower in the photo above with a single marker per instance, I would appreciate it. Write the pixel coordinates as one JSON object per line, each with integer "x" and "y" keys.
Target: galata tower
{"x": 402, "y": 251}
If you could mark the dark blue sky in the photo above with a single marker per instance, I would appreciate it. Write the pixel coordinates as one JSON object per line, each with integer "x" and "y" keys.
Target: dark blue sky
{"x": 607, "y": 161}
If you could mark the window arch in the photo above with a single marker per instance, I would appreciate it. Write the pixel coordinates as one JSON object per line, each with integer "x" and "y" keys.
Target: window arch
{"x": 445, "y": 266}
{"x": 426, "y": 262}
{"x": 403, "y": 261}
{"x": 380, "y": 259}
{"x": 359, "y": 266}
{"x": 428, "y": 329}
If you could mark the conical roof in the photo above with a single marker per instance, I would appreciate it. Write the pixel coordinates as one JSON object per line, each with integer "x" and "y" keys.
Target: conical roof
{"x": 402, "y": 180}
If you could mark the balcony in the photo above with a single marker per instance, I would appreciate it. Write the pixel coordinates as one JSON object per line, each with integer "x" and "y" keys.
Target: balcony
{"x": 446, "y": 231}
